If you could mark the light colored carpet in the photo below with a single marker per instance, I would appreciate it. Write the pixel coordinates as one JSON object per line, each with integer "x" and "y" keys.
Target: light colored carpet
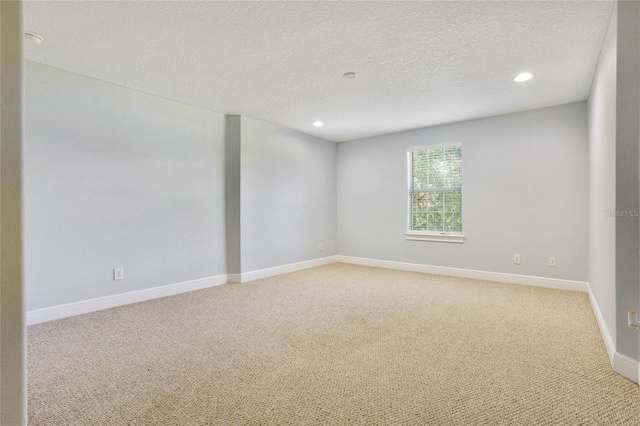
{"x": 338, "y": 345}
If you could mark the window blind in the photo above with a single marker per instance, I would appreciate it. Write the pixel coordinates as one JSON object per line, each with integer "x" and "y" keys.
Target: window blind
{"x": 435, "y": 188}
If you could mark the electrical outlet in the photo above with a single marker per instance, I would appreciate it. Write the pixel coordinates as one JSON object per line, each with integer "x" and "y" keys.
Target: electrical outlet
{"x": 118, "y": 274}
{"x": 516, "y": 259}
{"x": 553, "y": 262}
{"x": 320, "y": 247}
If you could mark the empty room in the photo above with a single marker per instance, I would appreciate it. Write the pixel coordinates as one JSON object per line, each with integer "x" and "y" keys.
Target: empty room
{"x": 320, "y": 212}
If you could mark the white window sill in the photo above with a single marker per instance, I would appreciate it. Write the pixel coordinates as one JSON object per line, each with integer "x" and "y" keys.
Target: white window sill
{"x": 435, "y": 236}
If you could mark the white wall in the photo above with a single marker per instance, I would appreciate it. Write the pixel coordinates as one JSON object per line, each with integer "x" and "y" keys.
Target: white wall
{"x": 614, "y": 149}
{"x": 627, "y": 174}
{"x": 116, "y": 177}
{"x": 288, "y": 196}
{"x": 525, "y": 191}
{"x": 602, "y": 179}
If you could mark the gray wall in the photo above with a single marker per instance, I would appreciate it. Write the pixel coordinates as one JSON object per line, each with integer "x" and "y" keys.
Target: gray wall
{"x": 115, "y": 177}
{"x": 232, "y": 192}
{"x": 13, "y": 377}
{"x": 602, "y": 179}
{"x": 288, "y": 196}
{"x": 525, "y": 191}
{"x": 627, "y": 175}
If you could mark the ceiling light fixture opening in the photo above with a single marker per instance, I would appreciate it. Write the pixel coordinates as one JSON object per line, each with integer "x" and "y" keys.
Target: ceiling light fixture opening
{"x": 525, "y": 76}
{"x": 350, "y": 74}
{"x": 318, "y": 123}
{"x": 33, "y": 37}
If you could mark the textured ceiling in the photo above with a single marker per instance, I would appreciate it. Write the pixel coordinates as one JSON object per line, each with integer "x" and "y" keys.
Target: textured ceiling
{"x": 419, "y": 63}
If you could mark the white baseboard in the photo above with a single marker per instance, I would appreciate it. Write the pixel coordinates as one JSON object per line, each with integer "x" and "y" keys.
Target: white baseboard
{"x": 627, "y": 367}
{"x": 621, "y": 364}
{"x": 37, "y": 316}
{"x": 604, "y": 330}
{"x": 234, "y": 278}
{"x": 284, "y": 269}
{"x": 553, "y": 283}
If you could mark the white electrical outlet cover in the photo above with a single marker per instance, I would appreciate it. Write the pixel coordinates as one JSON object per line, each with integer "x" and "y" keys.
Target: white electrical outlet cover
{"x": 118, "y": 273}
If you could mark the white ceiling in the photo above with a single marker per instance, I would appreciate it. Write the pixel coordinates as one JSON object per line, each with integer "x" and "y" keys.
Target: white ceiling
{"x": 419, "y": 63}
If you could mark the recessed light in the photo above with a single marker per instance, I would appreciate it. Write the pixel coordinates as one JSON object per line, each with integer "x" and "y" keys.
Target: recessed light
{"x": 525, "y": 76}
{"x": 350, "y": 74}
{"x": 33, "y": 37}
{"x": 318, "y": 123}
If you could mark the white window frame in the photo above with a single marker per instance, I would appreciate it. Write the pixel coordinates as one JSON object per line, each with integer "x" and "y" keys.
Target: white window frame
{"x": 445, "y": 237}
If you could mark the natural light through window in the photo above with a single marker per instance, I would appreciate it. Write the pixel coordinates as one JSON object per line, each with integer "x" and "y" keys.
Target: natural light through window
{"x": 435, "y": 192}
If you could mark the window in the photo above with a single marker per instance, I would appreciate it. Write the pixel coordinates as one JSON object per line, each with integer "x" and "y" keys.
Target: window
{"x": 435, "y": 192}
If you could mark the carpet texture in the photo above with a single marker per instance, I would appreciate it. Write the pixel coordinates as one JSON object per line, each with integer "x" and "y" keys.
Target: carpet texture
{"x": 337, "y": 345}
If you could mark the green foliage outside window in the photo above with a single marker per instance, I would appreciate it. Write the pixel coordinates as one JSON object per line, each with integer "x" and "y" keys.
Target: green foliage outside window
{"x": 435, "y": 195}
